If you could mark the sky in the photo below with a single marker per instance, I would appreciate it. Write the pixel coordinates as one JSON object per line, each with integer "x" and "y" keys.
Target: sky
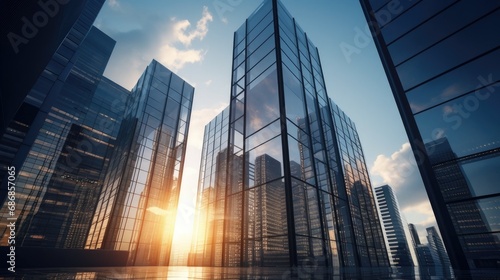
{"x": 194, "y": 40}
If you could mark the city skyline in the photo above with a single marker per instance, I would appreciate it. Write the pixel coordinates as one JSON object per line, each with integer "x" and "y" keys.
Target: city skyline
{"x": 273, "y": 173}
{"x": 212, "y": 26}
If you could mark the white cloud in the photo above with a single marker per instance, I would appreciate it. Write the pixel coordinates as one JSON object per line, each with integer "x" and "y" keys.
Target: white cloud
{"x": 175, "y": 58}
{"x": 421, "y": 213}
{"x": 396, "y": 169}
{"x": 168, "y": 40}
{"x": 208, "y": 83}
{"x": 400, "y": 171}
{"x": 201, "y": 30}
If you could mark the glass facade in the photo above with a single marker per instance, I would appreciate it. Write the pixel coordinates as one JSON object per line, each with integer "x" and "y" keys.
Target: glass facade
{"x": 19, "y": 133}
{"x": 399, "y": 249}
{"x": 138, "y": 204}
{"x": 272, "y": 191}
{"x": 440, "y": 58}
{"x": 63, "y": 171}
{"x": 29, "y": 46}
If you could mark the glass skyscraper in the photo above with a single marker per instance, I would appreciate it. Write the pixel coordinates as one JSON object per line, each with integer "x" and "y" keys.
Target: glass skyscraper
{"x": 46, "y": 70}
{"x": 272, "y": 189}
{"x": 61, "y": 172}
{"x": 441, "y": 61}
{"x": 98, "y": 167}
{"x": 138, "y": 203}
{"x": 37, "y": 38}
{"x": 399, "y": 249}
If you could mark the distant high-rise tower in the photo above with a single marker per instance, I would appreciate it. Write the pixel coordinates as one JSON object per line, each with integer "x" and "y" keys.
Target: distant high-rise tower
{"x": 399, "y": 249}
{"x": 442, "y": 64}
{"x": 436, "y": 244}
{"x": 414, "y": 234}
{"x": 273, "y": 189}
{"x": 138, "y": 204}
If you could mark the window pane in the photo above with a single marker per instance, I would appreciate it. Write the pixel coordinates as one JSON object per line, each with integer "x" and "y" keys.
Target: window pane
{"x": 478, "y": 216}
{"x": 264, "y": 163}
{"x": 413, "y": 17}
{"x": 469, "y": 77}
{"x": 263, "y": 91}
{"x": 437, "y": 28}
{"x": 468, "y": 43}
{"x": 263, "y": 135}
{"x": 454, "y": 122}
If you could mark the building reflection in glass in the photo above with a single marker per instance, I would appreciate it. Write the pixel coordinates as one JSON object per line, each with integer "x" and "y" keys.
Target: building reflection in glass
{"x": 138, "y": 204}
{"x": 62, "y": 171}
{"x": 272, "y": 189}
{"x": 448, "y": 98}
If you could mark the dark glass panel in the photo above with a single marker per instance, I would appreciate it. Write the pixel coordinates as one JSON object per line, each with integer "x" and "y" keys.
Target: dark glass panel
{"x": 460, "y": 47}
{"x": 455, "y": 121}
{"x": 289, "y": 58}
{"x": 263, "y": 30}
{"x": 176, "y": 83}
{"x": 265, "y": 53}
{"x": 419, "y": 13}
{"x": 478, "y": 216}
{"x": 255, "y": 19}
{"x": 377, "y": 4}
{"x": 483, "y": 175}
{"x": 482, "y": 250}
{"x": 437, "y": 28}
{"x": 471, "y": 76}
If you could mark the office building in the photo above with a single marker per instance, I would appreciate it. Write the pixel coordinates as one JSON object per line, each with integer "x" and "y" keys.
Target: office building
{"x": 441, "y": 61}
{"x": 399, "y": 249}
{"x": 36, "y": 75}
{"x": 37, "y": 38}
{"x": 273, "y": 189}
{"x": 414, "y": 234}
{"x": 62, "y": 172}
{"x": 138, "y": 204}
{"x": 436, "y": 245}
{"x": 97, "y": 166}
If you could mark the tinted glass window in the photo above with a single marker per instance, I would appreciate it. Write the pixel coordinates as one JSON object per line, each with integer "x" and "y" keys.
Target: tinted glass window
{"x": 469, "y": 77}
{"x": 483, "y": 175}
{"x": 412, "y": 17}
{"x": 468, "y": 43}
{"x": 469, "y": 123}
{"x": 478, "y": 216}
{"x": 437, "y": 28}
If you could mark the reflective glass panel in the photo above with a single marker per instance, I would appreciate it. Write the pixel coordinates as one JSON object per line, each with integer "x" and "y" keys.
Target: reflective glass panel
{"x": 456, "y": 121}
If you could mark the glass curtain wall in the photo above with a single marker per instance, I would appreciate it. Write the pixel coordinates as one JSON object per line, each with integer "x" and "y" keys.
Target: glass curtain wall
{"x": 285, "y": 198}
{"x": 441, "y": 58}
{"x": 138, "y": 205}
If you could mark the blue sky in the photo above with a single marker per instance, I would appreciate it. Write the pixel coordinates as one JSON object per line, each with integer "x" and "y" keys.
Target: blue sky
{"x": 194, "y": 39}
